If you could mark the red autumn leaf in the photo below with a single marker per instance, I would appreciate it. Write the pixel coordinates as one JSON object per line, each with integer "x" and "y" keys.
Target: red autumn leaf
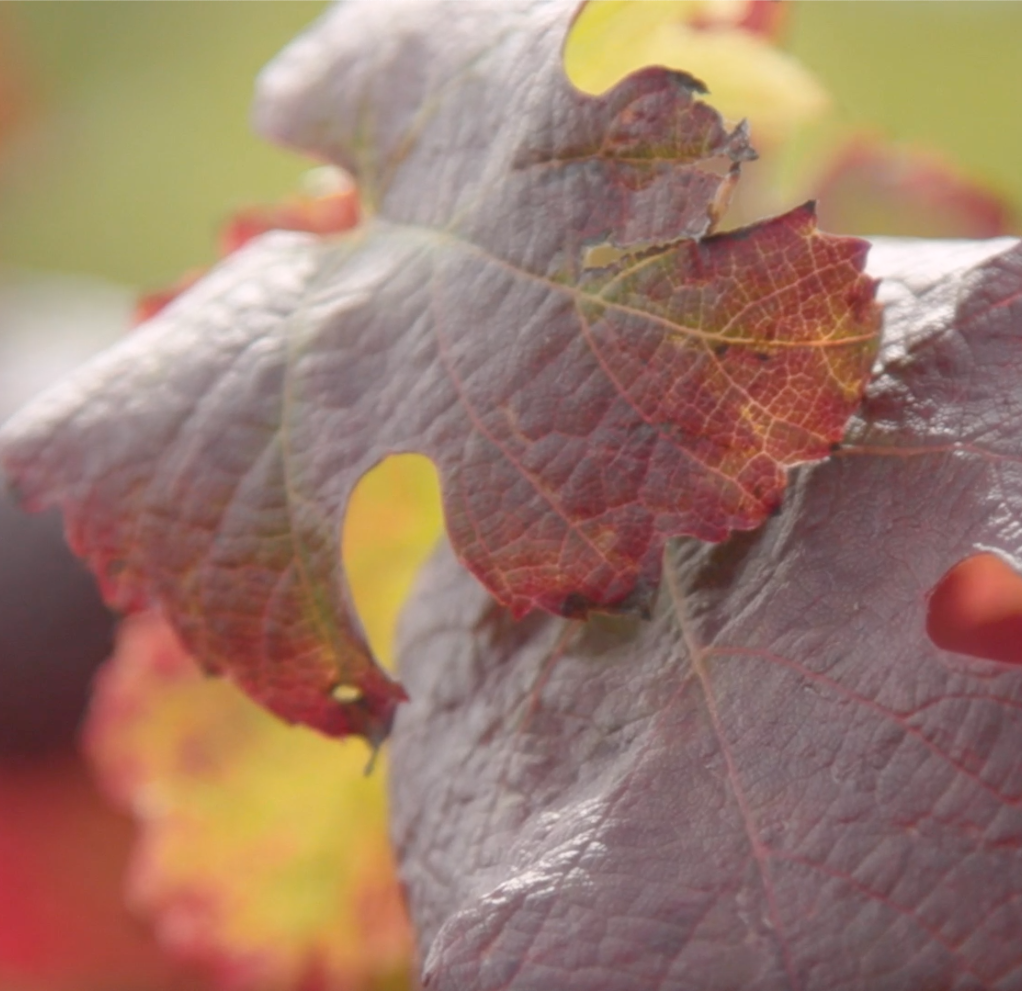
{"x": 780, "y": 782}
{"x": 874, "y": 187}
{"x": 15, "y": 93}
{"x": 154, "y": 302}
{"x": 328, "y": 214}
{"x": 528, "y": 303}
{"x": 976, "y": 609}
{"x": 765, "y": 17}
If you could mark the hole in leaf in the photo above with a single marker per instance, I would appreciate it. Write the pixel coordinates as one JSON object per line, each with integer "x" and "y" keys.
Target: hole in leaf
{"x": 976, "y": 609}
{"x": 602, "y": 255}
{"x": 393, "y": 522}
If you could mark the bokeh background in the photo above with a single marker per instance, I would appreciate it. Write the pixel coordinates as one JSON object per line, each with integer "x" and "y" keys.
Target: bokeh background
{"x": 136, "y": 142}
{"x": 124, "y": 146}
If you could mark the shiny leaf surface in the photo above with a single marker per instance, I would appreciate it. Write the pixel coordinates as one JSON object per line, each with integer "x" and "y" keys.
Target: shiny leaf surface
{"x": 780, "y": 783}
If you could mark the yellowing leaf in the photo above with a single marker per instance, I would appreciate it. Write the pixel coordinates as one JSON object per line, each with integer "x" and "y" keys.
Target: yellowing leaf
{"x": 264, "y": 851}
{"x": 747, "y": 76}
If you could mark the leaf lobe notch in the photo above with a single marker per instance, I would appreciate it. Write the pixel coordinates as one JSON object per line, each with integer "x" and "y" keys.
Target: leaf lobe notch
{"x": 578, "y": 418}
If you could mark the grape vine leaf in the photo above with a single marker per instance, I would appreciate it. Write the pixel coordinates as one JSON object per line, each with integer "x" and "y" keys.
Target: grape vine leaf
{"x": 530, "y": 302}
{"x": 780, "y": 783}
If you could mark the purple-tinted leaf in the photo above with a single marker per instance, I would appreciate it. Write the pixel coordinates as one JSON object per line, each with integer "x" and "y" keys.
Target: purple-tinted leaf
{"x": 530, "y": 302}
{"x": 779, "y": 782}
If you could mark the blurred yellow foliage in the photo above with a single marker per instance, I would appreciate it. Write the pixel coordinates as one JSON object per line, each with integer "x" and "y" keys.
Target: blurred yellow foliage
{"x": 263, "y": 848}
{"x": 393, "y": 521}
{"x": 747, "y": 76}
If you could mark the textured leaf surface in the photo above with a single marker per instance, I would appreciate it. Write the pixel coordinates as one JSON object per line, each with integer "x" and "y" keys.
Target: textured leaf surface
{"x": 779, "y": 782}
{"x": 525, "y": 305}
{"x": 263, "y": 851}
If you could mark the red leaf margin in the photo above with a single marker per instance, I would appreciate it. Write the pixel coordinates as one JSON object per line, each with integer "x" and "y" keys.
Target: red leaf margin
{"x": 616, "y": 425}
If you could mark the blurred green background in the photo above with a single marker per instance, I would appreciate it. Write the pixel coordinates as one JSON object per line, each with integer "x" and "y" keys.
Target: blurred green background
{"x": 138, "y": 144}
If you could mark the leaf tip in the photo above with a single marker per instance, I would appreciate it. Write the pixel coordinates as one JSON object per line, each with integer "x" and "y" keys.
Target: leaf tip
{"x": 687, "y": 81}
{"x": 369, "y": 714}
{"x": 739, "y": 144}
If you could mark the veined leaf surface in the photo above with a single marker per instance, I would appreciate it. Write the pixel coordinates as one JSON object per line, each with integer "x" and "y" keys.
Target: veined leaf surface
{"x": 532, "y": 302}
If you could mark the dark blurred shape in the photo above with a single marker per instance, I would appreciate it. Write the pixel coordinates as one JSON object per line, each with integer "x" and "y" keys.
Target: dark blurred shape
{"x": 54, "y": 632}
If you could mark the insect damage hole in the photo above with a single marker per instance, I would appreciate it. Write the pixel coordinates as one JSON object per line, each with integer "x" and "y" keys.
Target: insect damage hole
{"x": 391, "y": 526}
{"x": 976, "y": 609}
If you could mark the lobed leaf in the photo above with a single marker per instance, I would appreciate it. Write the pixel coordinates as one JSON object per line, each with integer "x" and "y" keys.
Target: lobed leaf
{"x": 780, "y": 783}
{"x": 532, "y": 302}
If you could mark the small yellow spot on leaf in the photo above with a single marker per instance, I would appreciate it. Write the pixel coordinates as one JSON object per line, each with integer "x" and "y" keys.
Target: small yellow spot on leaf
{"x": 348, "y": 694}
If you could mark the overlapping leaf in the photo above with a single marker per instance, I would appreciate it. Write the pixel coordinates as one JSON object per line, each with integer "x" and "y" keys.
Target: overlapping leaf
{"x": 779, "y": 784}
{"x": 528, "y": 304}
{"x": 262, "y": 851}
